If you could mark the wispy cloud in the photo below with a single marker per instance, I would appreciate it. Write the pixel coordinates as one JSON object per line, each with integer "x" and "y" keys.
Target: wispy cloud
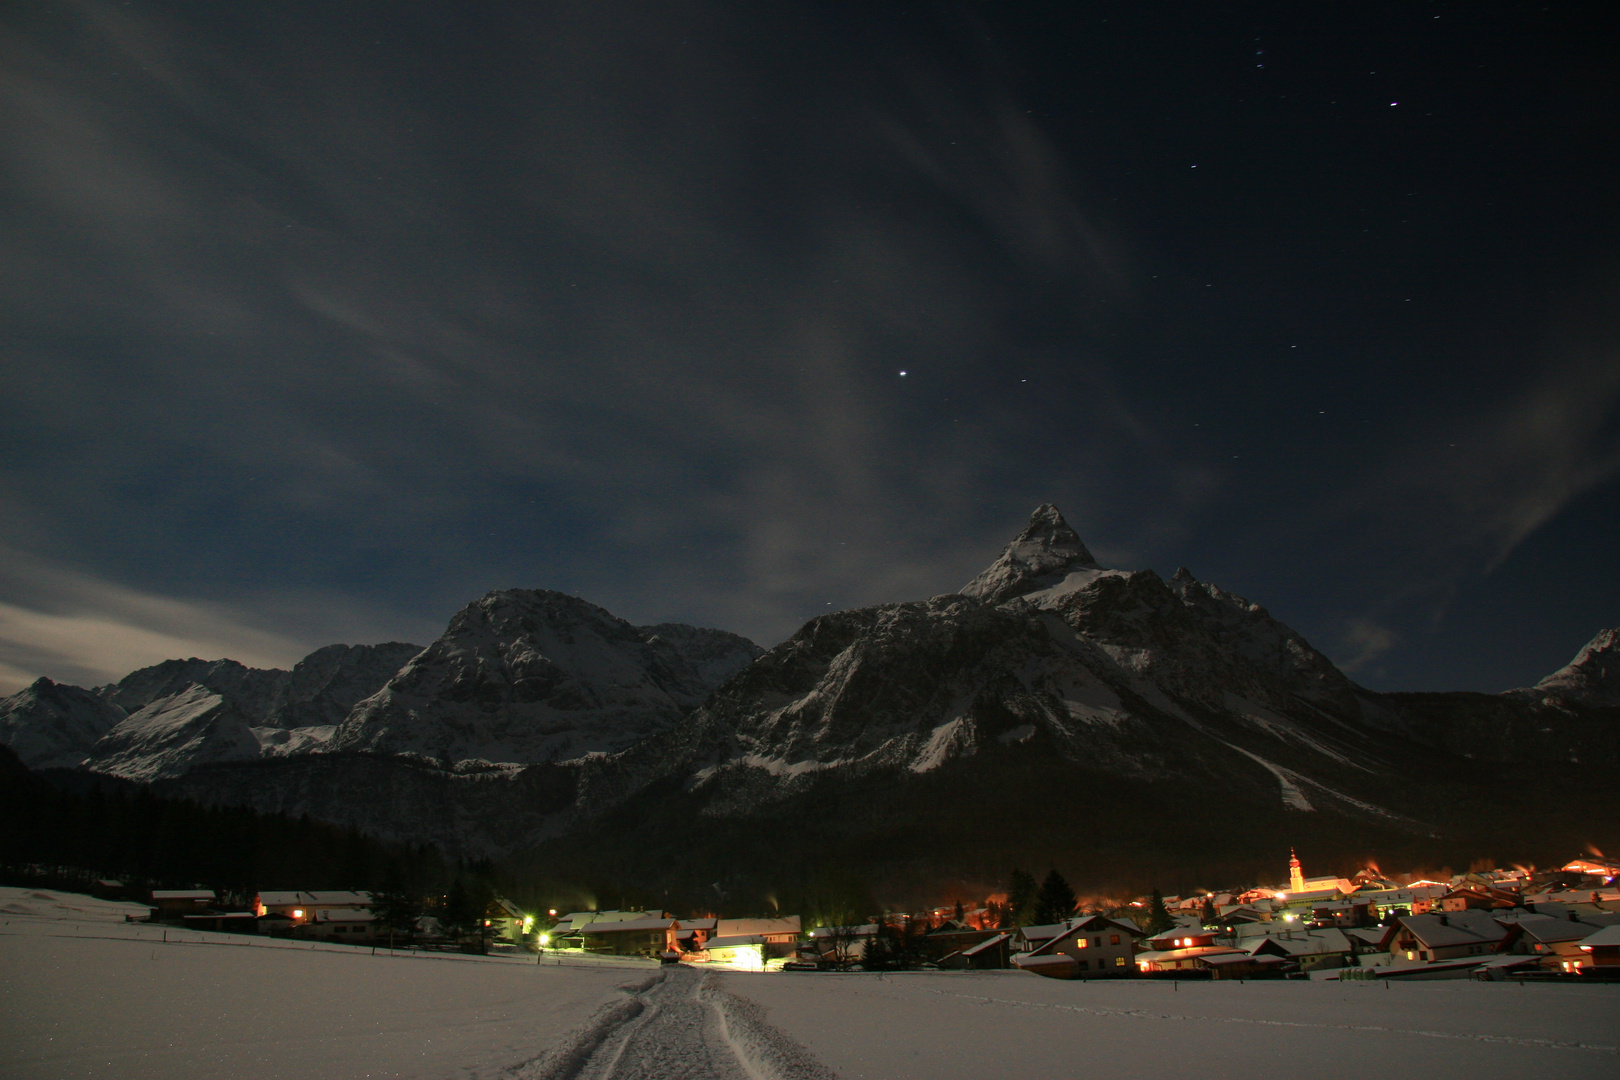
{"x": 79, "y": 627}
{"x": 342, "y": 324}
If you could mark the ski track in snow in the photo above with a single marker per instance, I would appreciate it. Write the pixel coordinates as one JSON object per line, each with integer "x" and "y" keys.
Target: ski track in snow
{"x": 1145, "y": 1014}
{"x": 677, "y": 1024}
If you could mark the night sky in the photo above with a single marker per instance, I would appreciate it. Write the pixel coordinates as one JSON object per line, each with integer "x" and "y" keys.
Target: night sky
{"x": 319, "y": 320}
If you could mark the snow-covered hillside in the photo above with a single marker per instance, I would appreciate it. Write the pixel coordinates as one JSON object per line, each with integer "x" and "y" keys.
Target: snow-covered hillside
{"x": 177, "y": 732}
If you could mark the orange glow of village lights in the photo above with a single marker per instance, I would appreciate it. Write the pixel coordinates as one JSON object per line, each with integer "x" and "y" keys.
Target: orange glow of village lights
{"x": 298, "y": 913}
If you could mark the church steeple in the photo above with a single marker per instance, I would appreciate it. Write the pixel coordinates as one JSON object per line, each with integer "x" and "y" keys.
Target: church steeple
{"x": 1296, "y": 876}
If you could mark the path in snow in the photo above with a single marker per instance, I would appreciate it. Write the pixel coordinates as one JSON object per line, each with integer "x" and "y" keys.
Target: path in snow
{"x": 677, "y": 1024}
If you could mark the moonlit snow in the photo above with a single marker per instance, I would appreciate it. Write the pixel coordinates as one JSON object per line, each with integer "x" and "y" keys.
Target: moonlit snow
{"x": 85, "y": 994}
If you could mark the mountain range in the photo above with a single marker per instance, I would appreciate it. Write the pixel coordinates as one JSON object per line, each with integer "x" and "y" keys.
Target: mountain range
{"x": 1052, "y": 711}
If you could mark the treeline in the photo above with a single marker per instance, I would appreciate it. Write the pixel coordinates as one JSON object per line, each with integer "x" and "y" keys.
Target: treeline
{"x": 79, "y": 829}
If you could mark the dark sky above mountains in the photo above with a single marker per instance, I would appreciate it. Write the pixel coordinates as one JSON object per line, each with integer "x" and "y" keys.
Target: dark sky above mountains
{"x": 320, "y": 320}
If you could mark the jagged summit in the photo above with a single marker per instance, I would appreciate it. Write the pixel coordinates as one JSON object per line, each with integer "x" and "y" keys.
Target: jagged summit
{"x": 522, "y": 676}
{"x": 1046, "y": 553}
{"x": 1593, "y": 677}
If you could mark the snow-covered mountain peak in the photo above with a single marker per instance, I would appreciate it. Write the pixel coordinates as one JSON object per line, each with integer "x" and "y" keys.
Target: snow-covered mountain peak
{"x": 1041, "y": 557}
{"x": 52, "y": 725}
{"x": 1593, "y": 677}
{"x": 534, "y": 675}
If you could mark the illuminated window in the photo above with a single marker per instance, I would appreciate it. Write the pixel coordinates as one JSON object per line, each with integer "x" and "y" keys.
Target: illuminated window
{"x": 1080, "y": 943}
{"x": 1119, "y": 961}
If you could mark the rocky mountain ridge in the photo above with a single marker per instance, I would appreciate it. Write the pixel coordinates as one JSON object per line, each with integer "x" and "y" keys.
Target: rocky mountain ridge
{"x": 519, "y": 677}
{"x": 528, "y": 676}
{"x": 1048, "y": 695}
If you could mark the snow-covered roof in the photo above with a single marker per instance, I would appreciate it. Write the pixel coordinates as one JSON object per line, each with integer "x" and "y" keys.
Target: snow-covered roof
{"x": 1468, "y": 927}
{"x": 1546, "y": 929}
{"x": 1162, "y": 955}
{"x": 734, "y": 941}
{"x": 344, "y": 915}
{"x": 866, "y": 930}
{"x": 182, "y": 894}
{"x": 328, "y": 898}
{"x": 575, "y": 920}
{"x": 788, "y": 924}
{"x": 627, "y": 926}
{"x": 1223, "y": 959}
{"x": 988, "y": 943}
{"x": 1091, "y": 924}
{"x": 1307, "y": 942}
{"x": 1044, "y": 960}
{"x": 1609, "y": 935}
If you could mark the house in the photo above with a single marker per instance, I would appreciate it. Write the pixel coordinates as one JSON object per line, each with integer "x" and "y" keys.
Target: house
{"x": 1182, "y": 938}
{"x": 506, "y": 921}
{"x": 178, "y": 903}
{"x": 1028, "y": 939}
{"x": 746, "y": 951}
{"x": 1195, "y": 960}
{"x": 630, "y": 937}
{"x": 1342, "y": 913}
{"x": 691, "y": 935}
{"x": 1603, "y": 947}
{"x": 1597, "y": 871}
{"x": 1451, "y": 936}
{"x": 1232, "y": 915}
{"x": 345, "y": 925}
{"x": 952, "y": 937}
{"x": 1557, "y": 942}
{"x": 108, "y": 889}
{"x": 1475, "y": 896}
{"x": 991, "y": 954}
{"x": 1310, "y": 949}
{"x": 841, "y": 945}
{"x": 776, "y": 939}
{"x": 1095, "y": 947}
{"x": 1371, "y": 939}
{"x": 782, "y": 931}
{"x": 1242, "y": 965}
{"x": 299, "y": 906}
{"x": 570, "y": 924}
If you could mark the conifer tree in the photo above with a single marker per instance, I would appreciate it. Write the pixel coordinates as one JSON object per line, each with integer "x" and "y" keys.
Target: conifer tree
{"x": 1158, "y": 918}
{"x": 877, "y": 954}
{"x": 1020, "y": 899}
{"x": 1055, "y": 901}
{"x": 457, "y": 914}
{"x": 394, "y": 906}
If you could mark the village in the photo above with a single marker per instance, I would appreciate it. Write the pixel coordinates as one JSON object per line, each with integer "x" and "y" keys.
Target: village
{"x": 1485, "y": 924}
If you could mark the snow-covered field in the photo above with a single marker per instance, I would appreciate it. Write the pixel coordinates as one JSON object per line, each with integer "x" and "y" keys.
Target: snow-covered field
{"x": 84, "y": 994}
{"x": 961, "y": 1025}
